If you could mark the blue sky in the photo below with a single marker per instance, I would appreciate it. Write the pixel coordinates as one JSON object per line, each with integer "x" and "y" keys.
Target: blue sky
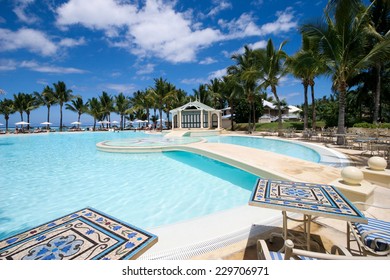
{"x": 122, "y": 45}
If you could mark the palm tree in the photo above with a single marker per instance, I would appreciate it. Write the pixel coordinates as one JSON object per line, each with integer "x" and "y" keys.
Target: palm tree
{"x": 6, "y": 109}
{"x": 30, "y": 104}
{"x": 78, "y": 106}
{"x": 107, "y": 102}
{"x": 158, "y": 93}
{"x": 230, "y": 91}
{"x": 169, "y": 100}
{"x": 272, "y": 68}
{"x": 202, "y": 94}
{"x": 214, "y": 88}
{"x": 19, "y": 104}
{"x": 246, "y": 66}
{"x": 95, "y": 110}
{"x": 344, "y": 42}
{"x": 306, "y": 65}
{"x": 122, "y": 107}
{"x": 46, "y": 98}
{"x": 62, "y": 95}
{"x": 142, "y": 101}
{"x": 380, "y": 16}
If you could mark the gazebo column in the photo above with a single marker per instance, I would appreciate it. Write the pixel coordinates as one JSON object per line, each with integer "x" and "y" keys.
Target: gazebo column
{"x": 219, "y": 120}
{"x": 179, "y": 119}
{"x": 201, "y": 119}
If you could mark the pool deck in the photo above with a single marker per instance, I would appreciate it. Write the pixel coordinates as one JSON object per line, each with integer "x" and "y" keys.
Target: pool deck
{"x": 224, "y": 234}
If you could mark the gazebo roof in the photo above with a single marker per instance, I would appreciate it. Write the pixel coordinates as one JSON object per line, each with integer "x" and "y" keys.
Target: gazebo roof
{"x": 193, "y": 104}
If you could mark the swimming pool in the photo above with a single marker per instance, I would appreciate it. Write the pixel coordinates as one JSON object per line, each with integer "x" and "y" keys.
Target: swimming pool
{"x": 271, "y": 145}
{"x": 45, "y": 176}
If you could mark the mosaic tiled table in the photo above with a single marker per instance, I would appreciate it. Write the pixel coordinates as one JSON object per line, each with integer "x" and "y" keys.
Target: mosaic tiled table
{"x": 305, "y": 198}
{"x": 83, "y": 235}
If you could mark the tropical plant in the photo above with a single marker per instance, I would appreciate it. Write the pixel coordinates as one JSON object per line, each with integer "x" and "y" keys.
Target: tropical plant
{"x": 6, "y": 109}
{"x": 47, "y": 99}
{"x": 20, "y": 104}
{"x": 306, "y": 65}
{"x": 215, "y": 88}
{"x": 30, "y": 104}
{"x": 107, "y": 102}
{"x": 158, "y": 93}
{"x": 170, "y": 100}
{"x": 230, "y": 90}
{"x": 380, "y": 18}
{"x": 202, "y": 94}
{"x": 95, "y": 110}
{"x": 78, "y": 106}
{"x": 344, "y": 42}
{"x": 246, "y": 76}
{"x": 62, "y": 95}
{"x": 272, "y": 68}
{"x": 122, "y": 107}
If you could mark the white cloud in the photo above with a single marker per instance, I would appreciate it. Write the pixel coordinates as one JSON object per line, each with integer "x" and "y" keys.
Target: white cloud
{"x": 284, "y": 23}
{"x": 33, "y": 40}
{"x": 194, "y": 81}
{"x": 221, "y": 5}
{"x": 124, "y": 88}
{"x": 107, "y": 15}
{"x": 207, "y": 61}
{"x": 246, "y": 26}
{"x": 68, "y": 42}
{"x": 7, "y": 65}
{"x": 20, "y": 10}
{"x": 217, "y": 74}
{"x": 34, "y": 66}
{"x": 145, "y": 69}
{"x": 156, "y": 29}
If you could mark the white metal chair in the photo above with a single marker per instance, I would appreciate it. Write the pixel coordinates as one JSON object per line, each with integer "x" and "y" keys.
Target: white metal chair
{"x": 337, "y": 253}
{"x": 372, "y": 238}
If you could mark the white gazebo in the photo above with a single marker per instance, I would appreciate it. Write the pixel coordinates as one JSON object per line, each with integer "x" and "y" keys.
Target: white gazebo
{"x": 195, "y": 114}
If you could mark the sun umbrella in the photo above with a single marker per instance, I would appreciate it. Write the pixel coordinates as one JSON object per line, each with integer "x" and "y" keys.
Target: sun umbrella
{"x": 46, "y": 123}
{"x": 22, "y": 123}
{"x": 1, "y": 124}
{"x": 103, "y": 122}
{"x": 114, "y": 122}
{"x": 76, "y": 123}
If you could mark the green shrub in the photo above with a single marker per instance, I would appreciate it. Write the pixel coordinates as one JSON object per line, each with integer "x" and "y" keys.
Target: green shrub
{"x": 371, "y": 125}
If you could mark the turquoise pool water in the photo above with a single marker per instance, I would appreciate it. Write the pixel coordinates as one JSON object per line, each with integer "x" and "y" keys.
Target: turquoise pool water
{"x": 272, "y": 145}
{"x": 45, "y": 176}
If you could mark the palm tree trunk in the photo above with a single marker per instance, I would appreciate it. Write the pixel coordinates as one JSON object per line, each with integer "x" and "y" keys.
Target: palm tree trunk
{"x": 231, "y": 116}
{"x": 61, "y": 117}
{"x": 305, "y": 105}
{"x": 249, "y": 119}
{"x": 341, "y": 119}
{"x": 160, "y": 110}
{"x": 254, "y": 116}
{"x": 48, "y": 116}
{"x": 313, "y": 107}
{"x": 280, "y": 125}
{"x": 377, "y": 94}
{"x": 28, "y": 120}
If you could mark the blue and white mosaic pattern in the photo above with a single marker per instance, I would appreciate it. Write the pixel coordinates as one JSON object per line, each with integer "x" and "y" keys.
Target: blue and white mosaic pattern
{"x": 310, "y": 199}
{"x": 85, "y": 234}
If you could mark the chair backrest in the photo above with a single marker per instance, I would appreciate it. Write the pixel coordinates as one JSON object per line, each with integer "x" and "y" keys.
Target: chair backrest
{"x": 291, "y": 253}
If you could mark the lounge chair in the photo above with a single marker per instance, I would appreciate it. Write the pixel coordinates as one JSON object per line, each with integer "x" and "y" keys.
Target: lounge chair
{"x": 297, "y": 254}
{"x": 337, "y": 253}
{"x": 372, "y": 238}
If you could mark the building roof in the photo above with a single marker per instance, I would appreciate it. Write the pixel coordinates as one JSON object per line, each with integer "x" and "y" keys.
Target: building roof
{"x": 193, "y": 104}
